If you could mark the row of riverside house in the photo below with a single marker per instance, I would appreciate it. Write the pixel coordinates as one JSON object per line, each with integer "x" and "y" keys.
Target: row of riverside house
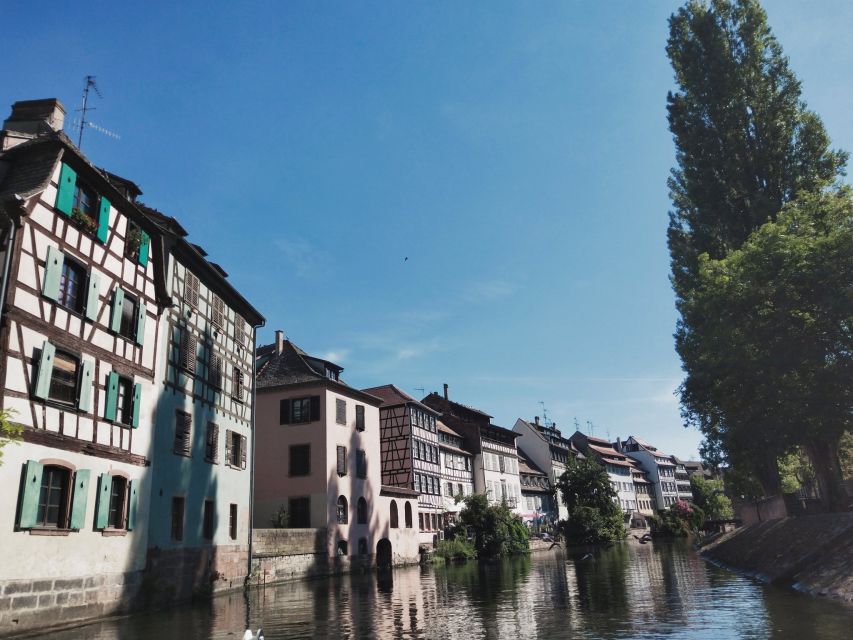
{"x": 127, "y": 358}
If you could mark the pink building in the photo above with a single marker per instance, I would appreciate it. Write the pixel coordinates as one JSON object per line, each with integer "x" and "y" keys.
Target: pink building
{"x": 317, "y": 460}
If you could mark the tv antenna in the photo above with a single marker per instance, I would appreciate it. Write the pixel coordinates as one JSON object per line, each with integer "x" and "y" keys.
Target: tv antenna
{"x": 422, "y": 390}
{"x": 85, "y": 109}
{"x": 590, "y": 428}
{"x": 545, "y": 420}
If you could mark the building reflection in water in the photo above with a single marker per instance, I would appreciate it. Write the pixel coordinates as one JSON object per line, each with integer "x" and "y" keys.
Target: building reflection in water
{"x": 628, "y": 591}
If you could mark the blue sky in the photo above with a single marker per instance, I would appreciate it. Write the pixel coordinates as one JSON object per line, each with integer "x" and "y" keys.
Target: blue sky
{"x": 515, "y": 153}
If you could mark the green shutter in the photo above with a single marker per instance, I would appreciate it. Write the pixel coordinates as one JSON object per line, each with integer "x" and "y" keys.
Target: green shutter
{"x": 141, "y": 312}
{"x": 104, "y": 219}
{"x": 112, "y": 396}
{"x": 86, "y": 372}
{"x": 93, "y": 297}
{"x": 131, "y": 505}
{"x": 137, "y": 402}
{"x": 144, "y": 246}
{"x": 65, "y": 192}
{"x": 102, "y": 510}
{"x": 118, "y": 301}
{"x": 30, "y": 492}
{"x": 81, "y": 494}
{"x": 52, "y": 273}
{"x": 42, "y": 386}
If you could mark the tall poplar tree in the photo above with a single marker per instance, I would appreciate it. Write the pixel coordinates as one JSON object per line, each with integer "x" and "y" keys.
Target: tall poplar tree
{"x": 745, "y": 146}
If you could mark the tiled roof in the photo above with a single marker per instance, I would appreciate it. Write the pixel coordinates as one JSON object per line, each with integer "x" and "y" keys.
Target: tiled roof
{"x": 392, "y": 395}
{"x": 29, "y": 170}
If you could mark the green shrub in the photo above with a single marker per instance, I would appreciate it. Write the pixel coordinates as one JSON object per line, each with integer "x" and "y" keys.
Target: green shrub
{"x": 457, "y": 548}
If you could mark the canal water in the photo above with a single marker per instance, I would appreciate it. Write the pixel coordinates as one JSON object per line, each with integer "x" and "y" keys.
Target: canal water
{"x": 628, "y": 591}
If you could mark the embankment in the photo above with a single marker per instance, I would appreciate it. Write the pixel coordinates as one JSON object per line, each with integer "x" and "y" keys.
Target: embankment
{"x": 812, "y": 554}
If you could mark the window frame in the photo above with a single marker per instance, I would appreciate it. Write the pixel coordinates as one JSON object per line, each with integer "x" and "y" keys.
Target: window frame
{"x": 124, "y": 402}
{"x": 63, "y": 507}
{"x": 342, "y": 510}
{"x": 233, "y": 522}
{"x": 183, "y": 434}
{"x": 211, "y": 443}
{"x": 71, "y": 264}
{"x": 179, "y": 505}
{"x": 117, "y": 513}
{"x": 127, "y": 323}
{"x": 66, "y": 404}
{"x": 340, "y": 411}
{"x": 208, "y": 518}
{"x": 290, "y": 459}
{"x": 192, "y": 288}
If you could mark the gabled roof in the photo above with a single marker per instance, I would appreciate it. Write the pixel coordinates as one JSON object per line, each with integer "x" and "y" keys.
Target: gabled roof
{"x": 393, "y": 396}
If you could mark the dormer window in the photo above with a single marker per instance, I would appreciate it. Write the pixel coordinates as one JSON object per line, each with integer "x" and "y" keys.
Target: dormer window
{"x": 331, "y": 374}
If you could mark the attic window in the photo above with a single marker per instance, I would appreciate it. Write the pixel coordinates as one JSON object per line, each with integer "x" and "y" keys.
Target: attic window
{"x": 331, "y": 374}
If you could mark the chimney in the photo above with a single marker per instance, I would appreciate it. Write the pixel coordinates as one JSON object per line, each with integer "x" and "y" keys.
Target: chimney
{"x": 618, "y": 444}
{"x": 536, "y": 420}
{"x": 279, "y": 341}
{"x": 31, "y": 118}
{"x": 445, "y": 391}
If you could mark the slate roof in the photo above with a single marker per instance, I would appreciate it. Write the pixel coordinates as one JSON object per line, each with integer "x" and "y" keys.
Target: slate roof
{"x": 453, "y": 403}
{"x": 288, "y": 367}
{"x": 526, "y": 465}
{"x": 28, "y": 169}
{"x": 392, "y": 396}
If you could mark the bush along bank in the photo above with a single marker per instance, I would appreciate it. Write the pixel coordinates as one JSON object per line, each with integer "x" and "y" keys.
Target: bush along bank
{"x": 811, "y": 554}
{"x": 484, "y": 531}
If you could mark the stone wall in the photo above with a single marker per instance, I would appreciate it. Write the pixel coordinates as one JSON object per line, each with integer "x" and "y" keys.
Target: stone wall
{"x": 181, "y": 574}
{"x": 813, "y": 554}
{"x": 36, "y": 604}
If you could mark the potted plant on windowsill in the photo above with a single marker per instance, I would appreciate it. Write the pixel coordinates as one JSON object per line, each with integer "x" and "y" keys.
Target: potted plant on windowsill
{"x": 85, "y": 222}
{"x": 133, "y": 242}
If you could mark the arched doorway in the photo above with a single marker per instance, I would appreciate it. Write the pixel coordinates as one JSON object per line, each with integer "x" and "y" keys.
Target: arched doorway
{"x": 383, "y": 553}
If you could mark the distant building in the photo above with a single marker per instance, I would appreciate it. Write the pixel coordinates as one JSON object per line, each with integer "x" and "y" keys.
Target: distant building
{"x": 682, "y": 481}
{"x": 492, "y": 447}
{"x": 410, "y": 454}
{"x": 318, "y": 458}
{"x": 545, "y": 445}
{"x": 659, "y": 468}
{"x": 619, "y": 468}
{"x": 645, "y": 495}
{"x": 457, "y": 471}
{"x": 537, "y": 493}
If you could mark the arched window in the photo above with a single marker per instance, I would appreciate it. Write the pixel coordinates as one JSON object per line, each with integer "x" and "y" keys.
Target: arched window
{"x": 362, "y": 546}
{"x": 343, "y": 548}
{"x": 408, "y": 515}
{"x": 361, "y": 511}
{"x": 343, "y": 511}
{"x": 394, "y": 517}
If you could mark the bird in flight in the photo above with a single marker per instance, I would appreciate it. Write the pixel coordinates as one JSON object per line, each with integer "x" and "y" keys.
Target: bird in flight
{"x": 406, "y": 259}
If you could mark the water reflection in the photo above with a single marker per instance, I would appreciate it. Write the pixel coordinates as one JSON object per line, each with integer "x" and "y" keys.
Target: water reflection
{"x": 629, "y": 591}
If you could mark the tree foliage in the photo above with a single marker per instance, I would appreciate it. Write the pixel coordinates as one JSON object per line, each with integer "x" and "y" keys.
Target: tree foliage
{"x": 495, "y": 529}
{"x": 594, "y": 515}
{"x": 756, "y": 311}
{"x": 710, "y": 497}
{"x": 10, "y": 432}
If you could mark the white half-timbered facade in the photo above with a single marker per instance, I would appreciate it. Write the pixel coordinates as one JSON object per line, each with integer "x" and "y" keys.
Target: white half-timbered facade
{"x": 78, "y": 349}
{"x": 457, "y": 471}
{"x": 410, "y": 454}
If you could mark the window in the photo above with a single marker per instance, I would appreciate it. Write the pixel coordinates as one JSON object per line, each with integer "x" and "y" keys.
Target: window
{"x": 343, "y": 548}
{"x": 191, "y": 289}
{"x": 217, "y": 313}
{"x": 359, "y": 417}
{"x": 299, "y": 512}
{"x": 361, "y": 463}
{"x": 63, "y": 378}
{"x": 84, "y": 209}
{"x": 362, "y": 546}
{"x": 211, "y": 443}
{"x": 342, "y": 461}
{"x": 420, "y": 522}
{"x": 361, "y": 511}
{"x": 53, "y": 497}
{"x": 189, "y": 351}
{"x": 408, "y": 515}
{"x": 343, "y": 515}
{"x": 340, "y": 411}
{"x": 235, "y": 449}
{"x": 177, "y": 518}
{"x": 124, "y": 405}
{"x": 237, "y": 392}
{"x": 214, "y": 369}
{"x": 183, "y": 441}
{"x": 207, "y": 520}
{"x": 239, "y": 331}
{"x": 72, "y": 289}
{"x": 300, "y": 459}
{"x": 127, "y": 326}
{"x": 232, "y": 521}
{"x": 395, "y": 524}
{"x": 299, "y": 410}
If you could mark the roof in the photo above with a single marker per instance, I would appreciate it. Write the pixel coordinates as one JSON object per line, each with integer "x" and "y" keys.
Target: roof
{"x": 392, "y": 396}
{"x": 31, "y": 170}
{"x": 500, "y": 430}
{"x": 398, "y": 492}
{"x": 453, "y": 403}
{"x": 526, "y": 465}
{"x": 445, "y": 429}
{"x": 293, "y": 366}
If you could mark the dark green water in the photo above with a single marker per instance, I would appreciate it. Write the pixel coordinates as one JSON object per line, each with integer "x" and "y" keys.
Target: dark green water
{"x": 630, "y": 591}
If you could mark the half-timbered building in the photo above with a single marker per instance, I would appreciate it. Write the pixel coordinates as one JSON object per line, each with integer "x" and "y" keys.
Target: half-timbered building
{"x": 80, "y": 299}
{"x": 618, "y": 466}
{"x": 457, "y": 471}
{"x": 548, "y": 449}
{"x": 318, "y": 461}
{"x": 537, "y": 493}
{"x": 201, "y": 465}
{"x": 410, "y": 454}
{"x": 495, "y": 458}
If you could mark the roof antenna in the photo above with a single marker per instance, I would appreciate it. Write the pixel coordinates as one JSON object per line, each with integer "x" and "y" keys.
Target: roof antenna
{"x": 84, "y": 110}
{"x": 545, "y": 420}
{"x": 422, "y": 390}
{"x": 591, "y": 428}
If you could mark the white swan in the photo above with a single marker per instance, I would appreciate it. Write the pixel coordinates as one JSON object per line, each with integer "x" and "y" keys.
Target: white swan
{"x": 253, "y": 636}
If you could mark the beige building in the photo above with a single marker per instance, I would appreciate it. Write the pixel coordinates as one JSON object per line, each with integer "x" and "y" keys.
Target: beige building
{"x": 318, "y": 460}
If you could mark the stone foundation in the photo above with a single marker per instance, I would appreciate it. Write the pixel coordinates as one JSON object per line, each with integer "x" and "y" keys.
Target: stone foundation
{"x": 182, "y": 574}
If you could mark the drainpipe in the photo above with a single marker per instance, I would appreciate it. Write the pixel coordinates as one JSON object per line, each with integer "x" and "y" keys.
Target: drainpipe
{"x": 7, "y": 262}
{"x": 252, "y": 474}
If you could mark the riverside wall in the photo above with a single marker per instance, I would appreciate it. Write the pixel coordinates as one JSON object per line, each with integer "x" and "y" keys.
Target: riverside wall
{"x": 811, "y": 554}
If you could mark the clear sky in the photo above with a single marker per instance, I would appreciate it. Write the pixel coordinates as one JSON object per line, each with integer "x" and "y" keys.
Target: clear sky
{"x": 515, "y": 153}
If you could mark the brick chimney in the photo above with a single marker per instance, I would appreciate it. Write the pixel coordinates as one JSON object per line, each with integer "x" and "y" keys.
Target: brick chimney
{"x": 536, "y": 420}
{"x": 279, "y": 341}
{"x": 445, "y": 391}
{"x": 32, "y": 118}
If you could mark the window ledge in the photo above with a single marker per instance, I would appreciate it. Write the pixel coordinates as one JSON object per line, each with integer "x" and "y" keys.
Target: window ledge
{"x": 110, "y": 533}
{"x": 48, "y": 531}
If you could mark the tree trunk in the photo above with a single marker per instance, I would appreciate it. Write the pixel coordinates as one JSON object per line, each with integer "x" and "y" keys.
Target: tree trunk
{"x": 823, "y": 455}
{"x": 767, "y": 474}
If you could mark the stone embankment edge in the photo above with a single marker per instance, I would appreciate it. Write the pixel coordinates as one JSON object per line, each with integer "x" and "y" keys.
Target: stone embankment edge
{"x": 812, "y": 555}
